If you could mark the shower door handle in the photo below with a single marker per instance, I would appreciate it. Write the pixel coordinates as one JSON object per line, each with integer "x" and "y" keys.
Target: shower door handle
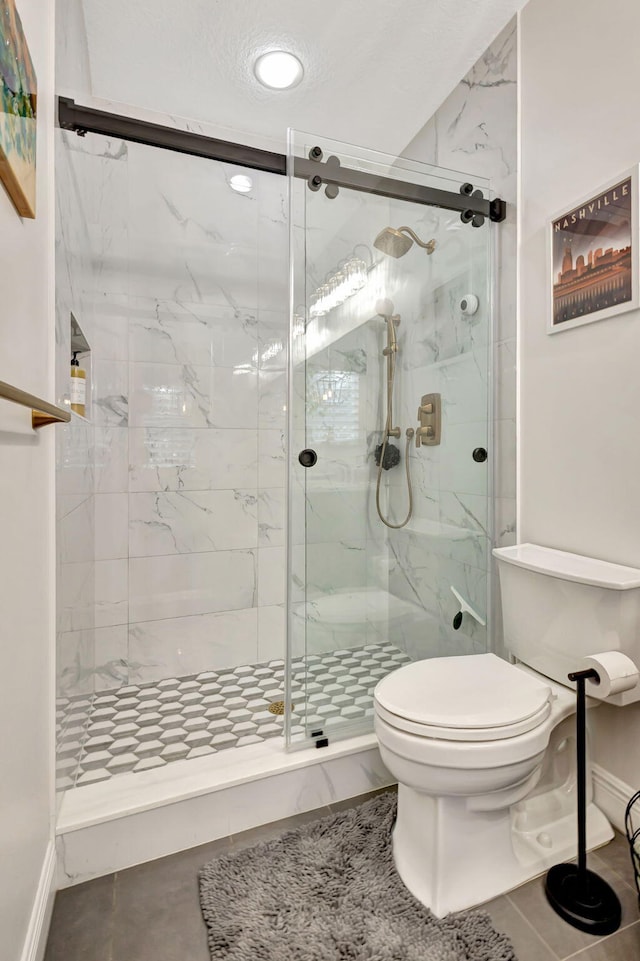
{"x": 308, "y": 457}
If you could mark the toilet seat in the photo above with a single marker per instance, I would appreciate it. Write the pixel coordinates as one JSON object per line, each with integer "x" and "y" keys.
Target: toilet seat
{"x": 462, "y": 733}
{"x": 477, "y": 697}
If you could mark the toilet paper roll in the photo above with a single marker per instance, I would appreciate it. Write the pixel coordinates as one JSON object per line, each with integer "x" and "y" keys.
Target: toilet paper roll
{"x": 616, "y": 671}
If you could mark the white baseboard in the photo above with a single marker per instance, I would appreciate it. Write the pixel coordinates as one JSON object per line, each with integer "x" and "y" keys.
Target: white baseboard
{"x": 611, "y": 795}
{"x": 36, "y": 940}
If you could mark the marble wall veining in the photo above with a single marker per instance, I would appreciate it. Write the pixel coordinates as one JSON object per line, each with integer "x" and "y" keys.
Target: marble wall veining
{"x": 475, "y": 130}
{"x": 360, "y": 578}
{"x": 180, "y": 286}
{"x": 400, "y": 580}
{"x": 75, "y": 504}
{"x": 171, "y": 494}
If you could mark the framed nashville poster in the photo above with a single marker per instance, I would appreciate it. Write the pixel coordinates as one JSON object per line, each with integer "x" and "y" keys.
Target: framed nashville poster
{"x": 594, "y": 255}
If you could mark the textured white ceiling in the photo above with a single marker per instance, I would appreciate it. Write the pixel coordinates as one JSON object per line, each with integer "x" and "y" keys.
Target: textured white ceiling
{"x": 375, "y": 70}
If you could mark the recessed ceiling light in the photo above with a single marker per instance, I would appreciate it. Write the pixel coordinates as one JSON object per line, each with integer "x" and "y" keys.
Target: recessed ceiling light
{"x": 241, "y": 183}
{"x": 278, "y": 70}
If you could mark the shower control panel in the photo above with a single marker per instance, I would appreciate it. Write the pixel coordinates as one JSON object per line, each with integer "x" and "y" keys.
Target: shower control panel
{"x": 429, "y": 418}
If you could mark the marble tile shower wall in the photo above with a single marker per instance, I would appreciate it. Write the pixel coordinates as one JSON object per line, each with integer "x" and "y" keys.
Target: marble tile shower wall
{"x": 446, "y": 542}
{"x": 397, "y": 582}
{"x": 335, "y": 551}
{"x": 75, "y": 575}
{"x": 475, "y": 130}
{"x": 401, "y": 581}
{"x": 171, "y": 502}
{"x": 187, "y": 288}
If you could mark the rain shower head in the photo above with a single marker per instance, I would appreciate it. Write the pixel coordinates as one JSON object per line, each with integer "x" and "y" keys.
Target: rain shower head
{"x": 390, "y": 241}
{"x": 394, "y": 242}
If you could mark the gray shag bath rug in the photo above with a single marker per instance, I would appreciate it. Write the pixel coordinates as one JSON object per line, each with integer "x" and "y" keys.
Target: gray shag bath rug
{"x": 329, "y": 891}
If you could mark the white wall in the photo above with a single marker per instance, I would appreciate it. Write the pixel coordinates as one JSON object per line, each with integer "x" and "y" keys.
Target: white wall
{"x": 26, "y": 522}
{"x": 580, "y": 390}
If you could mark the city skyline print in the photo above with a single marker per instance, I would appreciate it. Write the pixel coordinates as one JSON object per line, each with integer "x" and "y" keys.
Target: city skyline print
{"x": 594, "y": 251}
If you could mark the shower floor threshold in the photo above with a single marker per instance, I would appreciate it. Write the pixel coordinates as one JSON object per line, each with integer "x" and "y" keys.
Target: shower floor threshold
{"x": 131, "y": 794}
{"x": 135, "y": 818}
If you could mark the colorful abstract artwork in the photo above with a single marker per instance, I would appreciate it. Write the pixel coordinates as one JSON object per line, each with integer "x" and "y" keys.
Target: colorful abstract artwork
{"x": 18, "y": 99}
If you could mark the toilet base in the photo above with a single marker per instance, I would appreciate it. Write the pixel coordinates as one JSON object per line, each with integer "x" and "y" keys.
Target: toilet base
{"x": 452, "y": 858}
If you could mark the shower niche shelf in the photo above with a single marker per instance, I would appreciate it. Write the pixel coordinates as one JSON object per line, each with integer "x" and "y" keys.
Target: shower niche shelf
{"x": 81, "y": 348}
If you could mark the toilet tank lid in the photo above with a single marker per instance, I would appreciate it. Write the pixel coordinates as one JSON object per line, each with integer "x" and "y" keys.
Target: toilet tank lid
{"x": 466, "y": 691}
{"x": 570, "y": 567}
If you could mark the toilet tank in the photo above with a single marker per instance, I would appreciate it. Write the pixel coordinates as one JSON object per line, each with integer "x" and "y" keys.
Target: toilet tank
{"x": 558, "y": 608}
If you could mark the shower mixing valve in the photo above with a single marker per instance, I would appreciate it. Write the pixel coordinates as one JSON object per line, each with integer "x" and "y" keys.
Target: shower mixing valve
{"x": 429, "y": 417}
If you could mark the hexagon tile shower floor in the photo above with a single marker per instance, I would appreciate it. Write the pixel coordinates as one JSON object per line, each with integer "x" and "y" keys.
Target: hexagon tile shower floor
{"x": 139, "y": 727}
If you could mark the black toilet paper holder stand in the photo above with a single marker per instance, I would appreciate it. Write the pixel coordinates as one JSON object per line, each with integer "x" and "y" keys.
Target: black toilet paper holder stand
{"x": 581, "y": 897}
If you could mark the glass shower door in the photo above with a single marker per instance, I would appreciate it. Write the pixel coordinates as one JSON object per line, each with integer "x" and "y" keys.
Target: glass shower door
{"x": 381, "y": 561}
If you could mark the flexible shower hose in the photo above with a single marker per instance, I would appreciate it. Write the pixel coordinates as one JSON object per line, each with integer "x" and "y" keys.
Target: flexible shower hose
{"x": 410, "y": 491}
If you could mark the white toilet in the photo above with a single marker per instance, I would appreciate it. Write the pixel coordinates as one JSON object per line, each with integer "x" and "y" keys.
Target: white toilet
{"x": 483, "y": 750}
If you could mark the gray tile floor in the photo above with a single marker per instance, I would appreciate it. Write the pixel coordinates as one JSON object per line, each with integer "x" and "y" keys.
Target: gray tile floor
{"x": 152, "y": 912}
{"x": 140, "y": 727}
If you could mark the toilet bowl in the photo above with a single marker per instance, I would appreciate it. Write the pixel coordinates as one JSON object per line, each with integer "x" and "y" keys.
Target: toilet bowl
{"x": 483, "y": 750}
{"x": 470, "y": 750}
{"x": 446, "y": 726}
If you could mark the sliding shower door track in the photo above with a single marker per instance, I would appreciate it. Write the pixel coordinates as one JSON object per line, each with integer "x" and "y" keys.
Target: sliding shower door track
{"x": 84, "y": 120}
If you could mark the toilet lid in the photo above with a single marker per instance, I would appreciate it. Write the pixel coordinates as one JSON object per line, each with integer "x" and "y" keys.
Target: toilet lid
{"x": 470, "y": 692}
